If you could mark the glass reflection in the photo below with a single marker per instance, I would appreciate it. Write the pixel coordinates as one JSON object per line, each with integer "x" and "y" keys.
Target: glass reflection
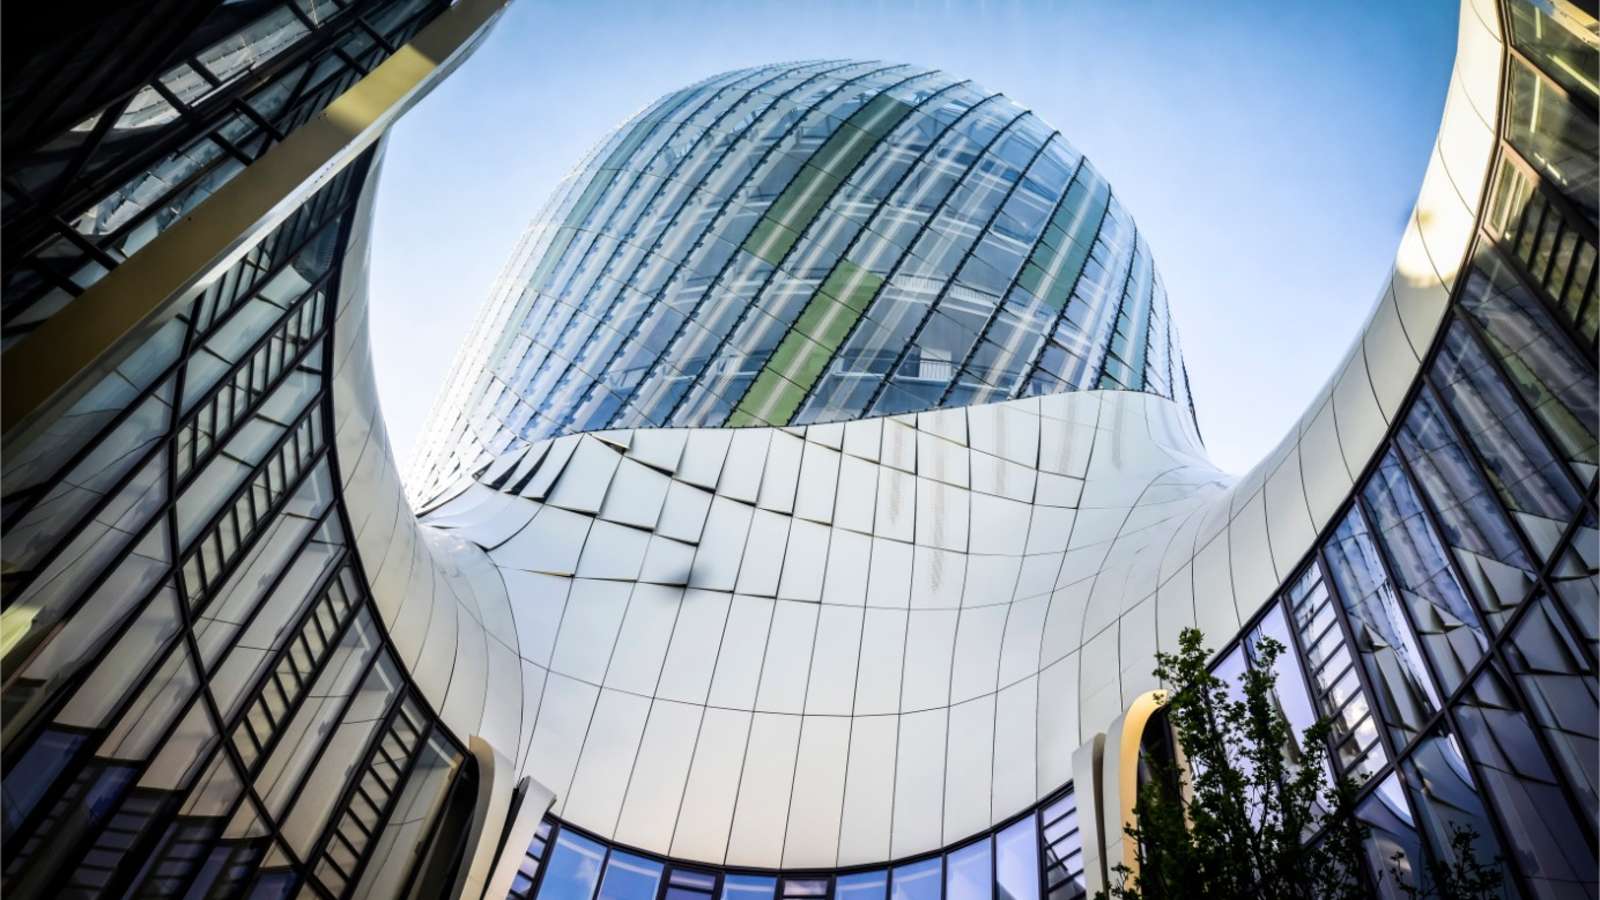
{"x": 573, "y": 869}
{"x": 1016, "y": 861}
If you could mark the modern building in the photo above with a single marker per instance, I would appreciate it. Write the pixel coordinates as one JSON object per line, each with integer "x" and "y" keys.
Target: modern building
{"x": 803, "y": 513}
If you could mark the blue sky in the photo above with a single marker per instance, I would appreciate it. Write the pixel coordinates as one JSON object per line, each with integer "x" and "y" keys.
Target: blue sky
{"x": 1269, "y": 151}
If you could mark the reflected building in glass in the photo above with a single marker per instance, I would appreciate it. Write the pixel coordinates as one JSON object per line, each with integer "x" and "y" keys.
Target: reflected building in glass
{"x": 803, "y": 513}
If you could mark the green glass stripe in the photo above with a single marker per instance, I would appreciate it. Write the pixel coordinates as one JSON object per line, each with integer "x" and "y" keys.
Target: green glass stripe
{"x": 804, "y": 352}
{"x": 1059, "y": 257}
{"x": 770, "y": 241}
{"x": 852, "y": 285}
{"x": 817, "y": 180}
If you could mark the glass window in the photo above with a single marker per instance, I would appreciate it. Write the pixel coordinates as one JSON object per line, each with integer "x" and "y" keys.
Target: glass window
{"x": 1446, "y": 802}
{"x": 1406, "y": 697}
{"x": 1563, "y": 690}
{"x": 1063, "y": 849}
{"x": 1556, "y": 383}
{"x": 574, "y": 868}
{"x": 968, "y": 872}
{"x": 1548, "y": 839}
{"x": 862, "y": 886}
{"x": 916, "y": 881}
{"x": 1486, "y": 547}
{"x": 748, "y": 887}
{"x": 1446, "y": 623}
{"x": 630, "y": 877}
{"x": 1394, "y": 854}
{"x": 1552, "y": 133}
{"x": 1525, "y": 474}
{"x": 1016, "y": 861}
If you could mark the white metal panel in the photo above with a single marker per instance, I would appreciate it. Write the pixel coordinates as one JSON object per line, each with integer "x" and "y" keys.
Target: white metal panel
{"x": 747, "y": 456}
{"x": 660, "y": 771}
{"x": 832, "y": 684}
{"x": 942, "y": 460}
{"x": 763, "y": 554}
{"x": 706, "y": 813}
{"x": 812, "y": 839}
{"x": 692, "y": 653}
{"x": 889, "y": 583}
{"x": 930, "y": 639}
{"x": 703, "y": 455}
{"x": 868, "y": 790}
{"x": 804, "y": 561}
{"x": 883, "y": 643}
{"x": 582, "y": 486}
{"x": 646, "y": 630}
{"x": 999, "y": 525}
{"x": 539, "y": 603}
{"x": 762, "y": 811}
{"x": 613, "y": 551}
{"x": 716, "y": 565}
{"x": 589, "y": 628}
{"x": 683, "y": 514}
{"x": 937, "y": 578}
{"x": 977, "y": 652}
{"x": 787, "y": 662}
{"x": 849, "y": 560}
{"x": 942, "y": 514}
{"x": 858, "y": 493}
{"x": 609, "y": 749}
{"x": 919, "y": 783}
{"x": 897, "y": 500}
{"x": 744, "y": 641}
{"x": 819, "y": 480}
{"x": 550, "y": 543}
{"x": 781, "y": 474}
{"x": 636, "y": 496}
{"x": 1014, "y": 745}
{"x": 969, "y": 761}
{"x": 558, "y": 735}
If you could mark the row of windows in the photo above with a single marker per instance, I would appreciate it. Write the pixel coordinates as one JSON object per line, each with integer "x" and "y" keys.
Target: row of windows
{"x": 200, "y": 697}
{"x": 1037, "y": 857}
{"x": 95, "y": 196}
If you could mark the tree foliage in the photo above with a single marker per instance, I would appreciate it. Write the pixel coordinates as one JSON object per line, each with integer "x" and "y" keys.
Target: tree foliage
{"x": 1235, "y": 821}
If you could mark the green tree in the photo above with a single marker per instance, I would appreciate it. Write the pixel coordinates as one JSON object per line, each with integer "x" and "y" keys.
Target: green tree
{"x": 1234, "y": 822}
{"x": 1243, "y": 818}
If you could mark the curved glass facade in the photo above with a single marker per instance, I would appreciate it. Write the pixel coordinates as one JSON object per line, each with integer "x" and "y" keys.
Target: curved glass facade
{"x": 807, "y": 243}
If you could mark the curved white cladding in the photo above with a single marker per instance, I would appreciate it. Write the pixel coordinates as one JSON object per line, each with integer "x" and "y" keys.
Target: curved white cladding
{"x": 851, "y": 642}
{"x": 836, "y": 644}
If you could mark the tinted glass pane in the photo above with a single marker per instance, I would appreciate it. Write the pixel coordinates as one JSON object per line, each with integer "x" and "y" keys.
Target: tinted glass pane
{"x": 629, "y": 877}
{"x": 862, "y": 886}
{"x": 1446, "y": 623}
{"x": 1523, "y": 471}
{"x": 1394, "y": 854}
{"x": 573, "y": 870}
{"x": 1548, "y": 661}
{"x": 1384, "y": 642}
{"x": 1548, "y": 839}
{"x": 967, "y": 873}
{"x": 748, "y": 887}
{"x": 917, "y": 881}
{"x": 1016, "y": 861}
{"x": 1553, "y": 379}
{"x": 1486, "y": 547}
{"x": 1445, "y": 798}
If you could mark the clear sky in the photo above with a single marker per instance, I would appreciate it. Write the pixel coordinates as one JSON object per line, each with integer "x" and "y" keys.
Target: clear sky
{"x": 1269, "y": 151}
